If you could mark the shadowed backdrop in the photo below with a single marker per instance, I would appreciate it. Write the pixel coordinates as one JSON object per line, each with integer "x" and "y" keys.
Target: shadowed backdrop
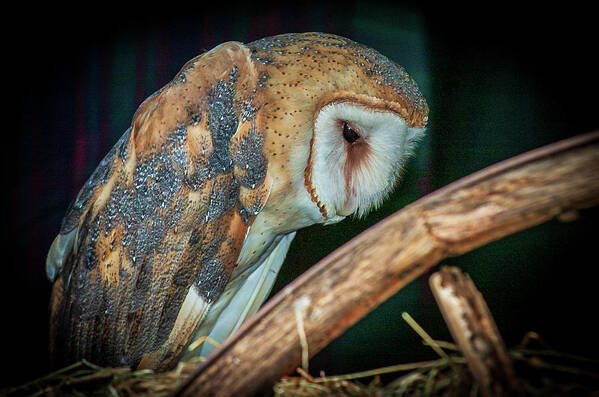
{"x": 498, "y": 81}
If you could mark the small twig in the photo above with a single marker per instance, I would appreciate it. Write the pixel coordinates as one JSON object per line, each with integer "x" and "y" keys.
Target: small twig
{"x": 519, "y": 354}
{"x": 305, "y": 374}
{"x": 200, "y": 341}
{"x": 428, "y": 386}
{"x": 424, "y": 335}
{"x": 113, "y": 391}
{"x": 531, "y": 335}
{"x": 301, "y": 306}
{"x": 92, "y": 365}
{"x": 94, "y": 376}
{"x": 406, "y": 380}
{"x": 441, "y": 363}
{"x": 444, "y": 345}
{"x": 41, "y": 392}
{"x": 473, "y": 328}
{"x": 44, "y": 378}
{"x": 541, "y": 364}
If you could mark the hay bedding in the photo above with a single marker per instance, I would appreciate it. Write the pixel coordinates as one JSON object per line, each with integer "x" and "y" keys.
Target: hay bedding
{"x": 531, "y": 369}
{"x": 541, "y": 371}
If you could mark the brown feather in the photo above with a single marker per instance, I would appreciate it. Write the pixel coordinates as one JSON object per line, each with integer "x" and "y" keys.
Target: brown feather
{"x": 162, "y": 214}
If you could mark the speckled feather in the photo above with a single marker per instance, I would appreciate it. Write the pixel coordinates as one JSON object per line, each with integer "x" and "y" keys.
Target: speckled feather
{"x": 163, "y": 211}
{"x": 169, "y": 207}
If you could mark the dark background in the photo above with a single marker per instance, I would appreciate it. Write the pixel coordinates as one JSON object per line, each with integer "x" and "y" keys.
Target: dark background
{"x": 500, "y": 79}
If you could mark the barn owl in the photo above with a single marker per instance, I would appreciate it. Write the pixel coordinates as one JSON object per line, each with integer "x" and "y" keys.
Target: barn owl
{"x": 181, "y": 230}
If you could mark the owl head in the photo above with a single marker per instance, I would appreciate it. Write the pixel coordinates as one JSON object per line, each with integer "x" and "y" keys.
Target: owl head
{"x": 340, "y": 120}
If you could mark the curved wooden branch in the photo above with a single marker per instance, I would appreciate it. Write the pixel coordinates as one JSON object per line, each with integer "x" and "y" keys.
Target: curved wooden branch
{"x": 350, "y": 282}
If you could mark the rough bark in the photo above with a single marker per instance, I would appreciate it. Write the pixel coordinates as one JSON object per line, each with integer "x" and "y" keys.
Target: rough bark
{"x": 350, "y": 282}
{"x": 473, "y": 328}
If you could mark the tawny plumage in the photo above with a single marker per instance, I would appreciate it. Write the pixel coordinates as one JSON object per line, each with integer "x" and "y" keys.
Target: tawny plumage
{"x": 180, "y": 231}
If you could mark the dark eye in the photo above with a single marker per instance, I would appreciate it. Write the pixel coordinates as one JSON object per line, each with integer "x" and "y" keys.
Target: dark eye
{"x": 349, "y": 133}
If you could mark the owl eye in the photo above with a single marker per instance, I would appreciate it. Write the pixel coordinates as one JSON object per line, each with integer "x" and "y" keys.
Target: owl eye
{"x": 350, "y": 134}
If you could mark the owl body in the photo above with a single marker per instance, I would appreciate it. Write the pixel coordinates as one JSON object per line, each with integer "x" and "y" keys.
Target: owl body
{"x": 180, "y": 231}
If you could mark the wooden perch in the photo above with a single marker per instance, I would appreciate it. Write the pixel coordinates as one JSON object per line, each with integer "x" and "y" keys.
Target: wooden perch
{"x": 473, "y": 328}
{"x": 350, "y": 282}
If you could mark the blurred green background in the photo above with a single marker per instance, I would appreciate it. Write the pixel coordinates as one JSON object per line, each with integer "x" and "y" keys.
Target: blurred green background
{"x": 500, "y": 79}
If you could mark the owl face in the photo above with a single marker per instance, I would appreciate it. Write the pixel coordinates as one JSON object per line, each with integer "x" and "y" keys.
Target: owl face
{"x": 356, "y": 154}
{"x": 340, "y": 120}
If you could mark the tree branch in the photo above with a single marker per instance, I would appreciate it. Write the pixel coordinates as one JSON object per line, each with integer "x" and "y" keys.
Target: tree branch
{"x": 350, "y": 282}
{"x": 473, "y": 328}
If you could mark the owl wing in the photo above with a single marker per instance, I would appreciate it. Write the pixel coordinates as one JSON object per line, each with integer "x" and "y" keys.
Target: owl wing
{"x": 153, "y": 237}
{"x": 243, "y": 295}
